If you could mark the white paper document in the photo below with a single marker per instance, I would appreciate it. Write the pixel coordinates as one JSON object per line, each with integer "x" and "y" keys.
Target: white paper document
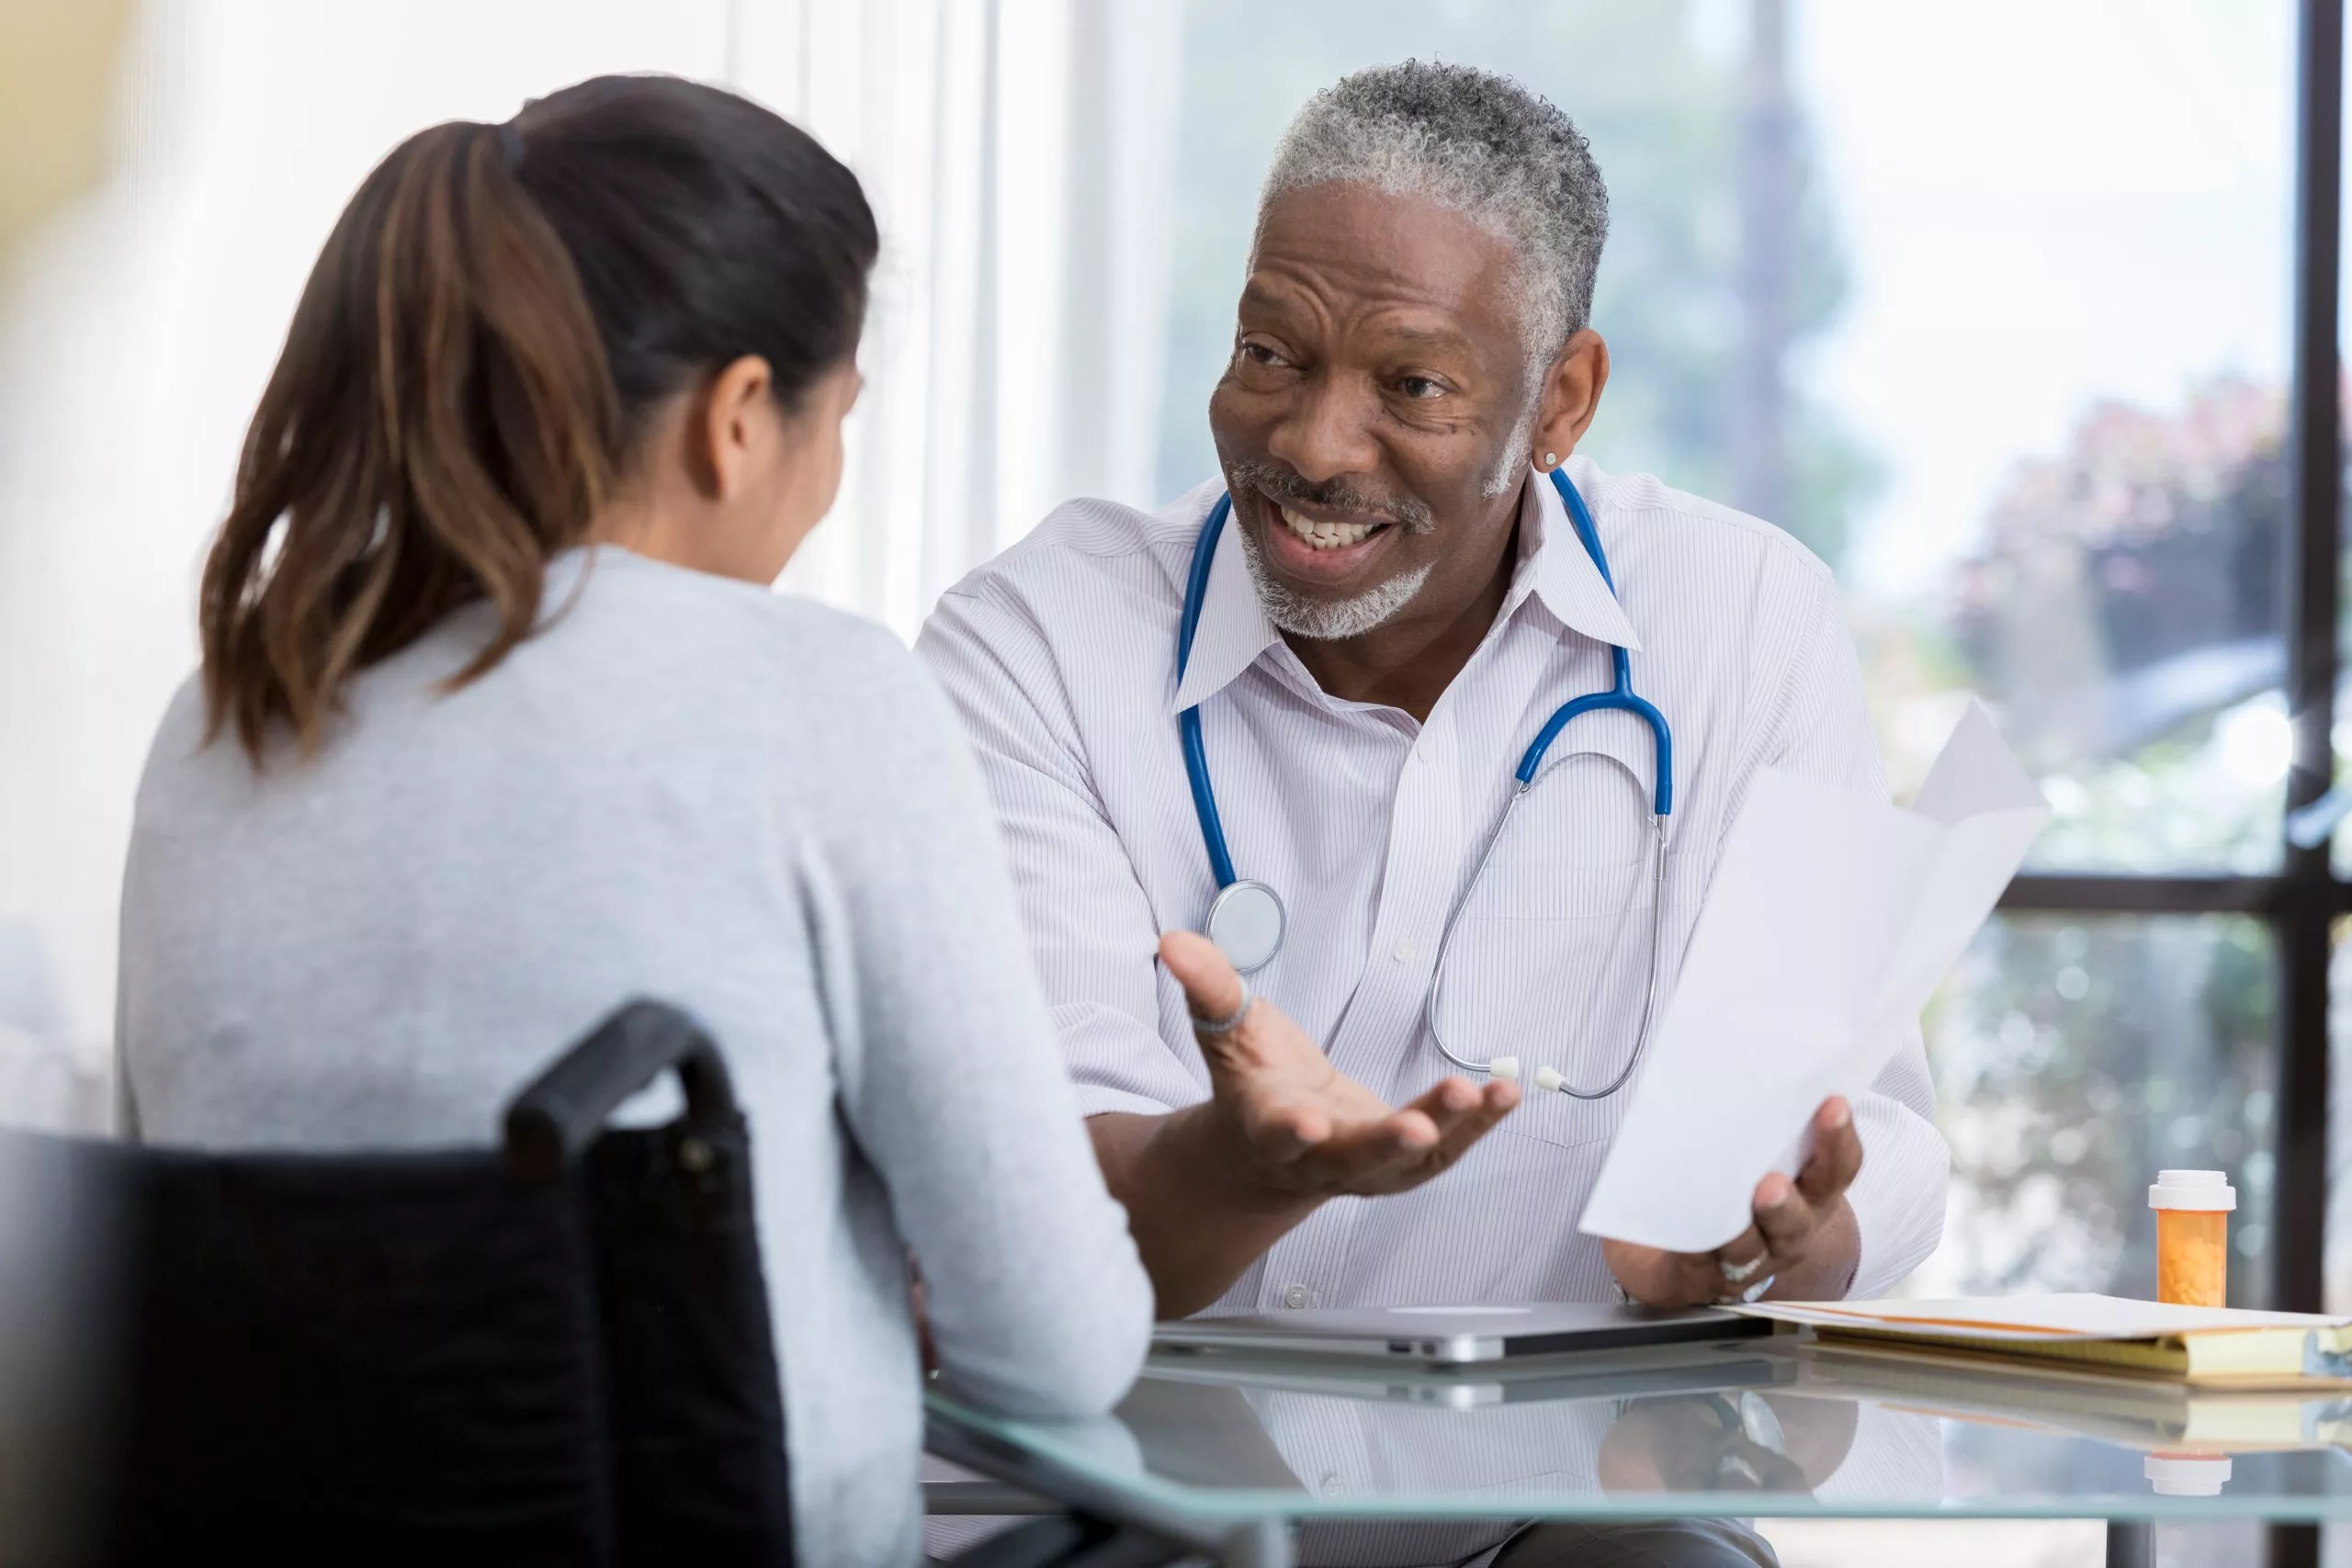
{"x": 1828, "y": 923}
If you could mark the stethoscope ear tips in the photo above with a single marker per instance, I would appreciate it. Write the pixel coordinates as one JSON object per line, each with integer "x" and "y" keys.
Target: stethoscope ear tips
{"x": 1547, "y": 1077}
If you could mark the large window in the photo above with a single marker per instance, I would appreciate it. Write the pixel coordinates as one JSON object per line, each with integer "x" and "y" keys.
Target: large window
{"x": 2006, "y": 334}
{"x": 2075, "y": 1054}
{"x": 1997, "y": 308}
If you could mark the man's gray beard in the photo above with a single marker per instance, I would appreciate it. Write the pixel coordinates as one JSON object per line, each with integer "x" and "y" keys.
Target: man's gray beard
{"x": 1511, "y": 464}
{"x": 1324, "y": 620}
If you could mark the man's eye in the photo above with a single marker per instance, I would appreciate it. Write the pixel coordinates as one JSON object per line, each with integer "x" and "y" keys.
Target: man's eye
{"x": 1421, "y": 387}
{"x": 1259, "y": 353}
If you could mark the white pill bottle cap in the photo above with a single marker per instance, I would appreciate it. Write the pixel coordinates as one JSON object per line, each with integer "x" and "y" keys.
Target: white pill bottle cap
{"x": 2188, "y": 1475}
{"x": 2207, "y": 1189}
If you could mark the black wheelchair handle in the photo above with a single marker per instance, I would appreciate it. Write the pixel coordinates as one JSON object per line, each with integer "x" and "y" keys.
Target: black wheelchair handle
{"x": 559, "y": 1114}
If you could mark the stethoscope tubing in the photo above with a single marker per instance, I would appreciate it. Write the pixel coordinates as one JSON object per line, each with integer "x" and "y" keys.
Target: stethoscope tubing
{"x": 1188, "y": 723}
{"x": 1620, "y": 697}
{"x": 1649, "y": 1000}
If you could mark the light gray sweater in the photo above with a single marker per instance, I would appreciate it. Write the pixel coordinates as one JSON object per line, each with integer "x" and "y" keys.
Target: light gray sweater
{"x": 689, "y": 789}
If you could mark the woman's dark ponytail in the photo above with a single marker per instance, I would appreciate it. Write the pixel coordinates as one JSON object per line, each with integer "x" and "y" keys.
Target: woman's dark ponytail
{"x": 441, "y": 422}
{"x": 474, "y": 354}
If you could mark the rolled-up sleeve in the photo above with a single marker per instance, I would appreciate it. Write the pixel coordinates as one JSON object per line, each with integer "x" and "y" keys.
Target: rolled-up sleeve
{"x": 1091, "y": 925}
{"x": 1820, "y": 727}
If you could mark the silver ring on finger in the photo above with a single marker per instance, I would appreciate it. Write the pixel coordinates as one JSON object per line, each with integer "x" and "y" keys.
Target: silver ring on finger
{"x": 1740, "y": 1273}
{"x": 1755, "y": 1293}
{"x": 1231, "y": 1020}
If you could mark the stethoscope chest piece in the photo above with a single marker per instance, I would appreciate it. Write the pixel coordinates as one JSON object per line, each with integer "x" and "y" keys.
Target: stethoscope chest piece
{"x": 1246, "y": 922}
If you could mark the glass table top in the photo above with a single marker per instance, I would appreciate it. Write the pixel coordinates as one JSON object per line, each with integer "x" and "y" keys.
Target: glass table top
{"x": 1749, "y": 1428}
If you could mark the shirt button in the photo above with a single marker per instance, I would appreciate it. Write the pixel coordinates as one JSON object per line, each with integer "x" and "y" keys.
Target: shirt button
{"x": 1403, "y": 951}
{"x": 1335, "y": 1485}
{"x": 1424, "y": 751}
{"x": 1296, "y": 1296}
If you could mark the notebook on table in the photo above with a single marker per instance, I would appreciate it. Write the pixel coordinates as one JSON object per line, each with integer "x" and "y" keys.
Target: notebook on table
{"x": 2218, "y": 1347}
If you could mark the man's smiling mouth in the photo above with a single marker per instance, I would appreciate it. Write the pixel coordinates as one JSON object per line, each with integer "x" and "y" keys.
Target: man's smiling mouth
{"x": 1323, "y": 534}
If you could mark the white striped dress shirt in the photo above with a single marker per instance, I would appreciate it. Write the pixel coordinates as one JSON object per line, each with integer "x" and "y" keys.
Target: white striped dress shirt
{"x": 1060, "y": 656}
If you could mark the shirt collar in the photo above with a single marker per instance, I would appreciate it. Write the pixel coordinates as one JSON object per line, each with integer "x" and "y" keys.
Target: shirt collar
{"x": 1554, "y": 570}
{"x": 1233, "y": 629}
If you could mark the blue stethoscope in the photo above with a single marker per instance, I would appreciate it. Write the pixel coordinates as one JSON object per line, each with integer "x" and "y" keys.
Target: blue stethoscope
{"x": 1247, "y": 919}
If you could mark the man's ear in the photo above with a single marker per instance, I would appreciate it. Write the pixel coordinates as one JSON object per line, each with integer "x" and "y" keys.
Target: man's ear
{"x": 727, "y": 425}
{"x": 1571, "y": 396}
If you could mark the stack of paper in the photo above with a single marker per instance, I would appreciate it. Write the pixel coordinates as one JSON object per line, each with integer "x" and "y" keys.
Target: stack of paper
{"x": 2224, "y": 1346}
{"x": 1830, "y": 922}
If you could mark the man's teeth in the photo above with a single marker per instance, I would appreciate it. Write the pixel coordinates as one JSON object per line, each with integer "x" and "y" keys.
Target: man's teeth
{"x": 1326, "y": 535}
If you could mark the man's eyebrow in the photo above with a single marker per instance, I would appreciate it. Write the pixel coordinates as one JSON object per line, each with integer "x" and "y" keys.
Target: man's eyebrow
{"x": 1426, "y": 337}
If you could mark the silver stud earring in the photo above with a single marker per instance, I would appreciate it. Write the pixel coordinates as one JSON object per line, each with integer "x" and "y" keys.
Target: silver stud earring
{"x": 1550, "y": 458}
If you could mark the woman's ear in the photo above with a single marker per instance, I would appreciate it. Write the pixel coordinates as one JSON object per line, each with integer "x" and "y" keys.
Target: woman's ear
{"x": 1571, "y": 396}
{"x": 733, "y": 428}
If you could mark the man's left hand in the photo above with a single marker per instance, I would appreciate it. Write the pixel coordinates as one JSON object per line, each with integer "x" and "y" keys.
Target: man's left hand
{"x": 1802, "y": 1239}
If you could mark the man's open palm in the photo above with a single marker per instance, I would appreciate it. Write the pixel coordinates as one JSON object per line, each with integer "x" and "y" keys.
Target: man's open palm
{"x": 1302, "y": 1125}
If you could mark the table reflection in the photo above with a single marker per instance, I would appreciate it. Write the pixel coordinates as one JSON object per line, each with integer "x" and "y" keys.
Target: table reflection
{"x": 1710, "y": 1419}
{"x": 1743, "y": 1441}
{"x": 1385, "y": 1466}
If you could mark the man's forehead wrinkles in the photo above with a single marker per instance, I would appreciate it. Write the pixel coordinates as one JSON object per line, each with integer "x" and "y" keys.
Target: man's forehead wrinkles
{"x": 1364, "y": 278}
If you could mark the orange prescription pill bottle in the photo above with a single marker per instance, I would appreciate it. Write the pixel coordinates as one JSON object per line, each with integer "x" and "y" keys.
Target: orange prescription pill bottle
{"x": 2193, "y": 1236}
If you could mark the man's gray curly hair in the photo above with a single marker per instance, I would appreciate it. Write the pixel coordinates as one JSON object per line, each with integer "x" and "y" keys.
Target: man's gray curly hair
{"x": 1479, "y": 144}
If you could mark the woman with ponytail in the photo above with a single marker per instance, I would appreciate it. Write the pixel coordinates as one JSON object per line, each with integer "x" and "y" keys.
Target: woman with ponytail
{"x": 499, "y": 724}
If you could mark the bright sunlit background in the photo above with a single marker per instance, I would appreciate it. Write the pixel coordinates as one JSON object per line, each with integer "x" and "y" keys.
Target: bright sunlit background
{"x": 1987, "y": 303}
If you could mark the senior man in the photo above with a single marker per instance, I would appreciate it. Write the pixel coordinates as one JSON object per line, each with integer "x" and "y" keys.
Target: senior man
{"x": 1399, "y": 599}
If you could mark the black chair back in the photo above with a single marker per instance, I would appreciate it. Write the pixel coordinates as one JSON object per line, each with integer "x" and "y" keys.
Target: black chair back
{"x": 557, "y": 1351}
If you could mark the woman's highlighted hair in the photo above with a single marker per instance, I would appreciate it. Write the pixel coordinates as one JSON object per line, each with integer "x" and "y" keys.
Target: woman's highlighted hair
{"x": 474, "y": 354}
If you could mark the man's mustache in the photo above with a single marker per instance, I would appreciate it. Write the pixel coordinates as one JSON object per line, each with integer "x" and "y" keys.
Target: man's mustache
{"x": 1285, "y": 484}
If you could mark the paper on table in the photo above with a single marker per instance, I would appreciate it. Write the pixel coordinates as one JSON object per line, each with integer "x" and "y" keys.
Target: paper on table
{"x": 1828, "y": 923}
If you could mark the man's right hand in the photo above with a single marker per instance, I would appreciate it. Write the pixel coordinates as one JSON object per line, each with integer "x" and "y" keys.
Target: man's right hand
{"x": 1299, "y": 1125}
{"x": 1209, "y": 1188}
